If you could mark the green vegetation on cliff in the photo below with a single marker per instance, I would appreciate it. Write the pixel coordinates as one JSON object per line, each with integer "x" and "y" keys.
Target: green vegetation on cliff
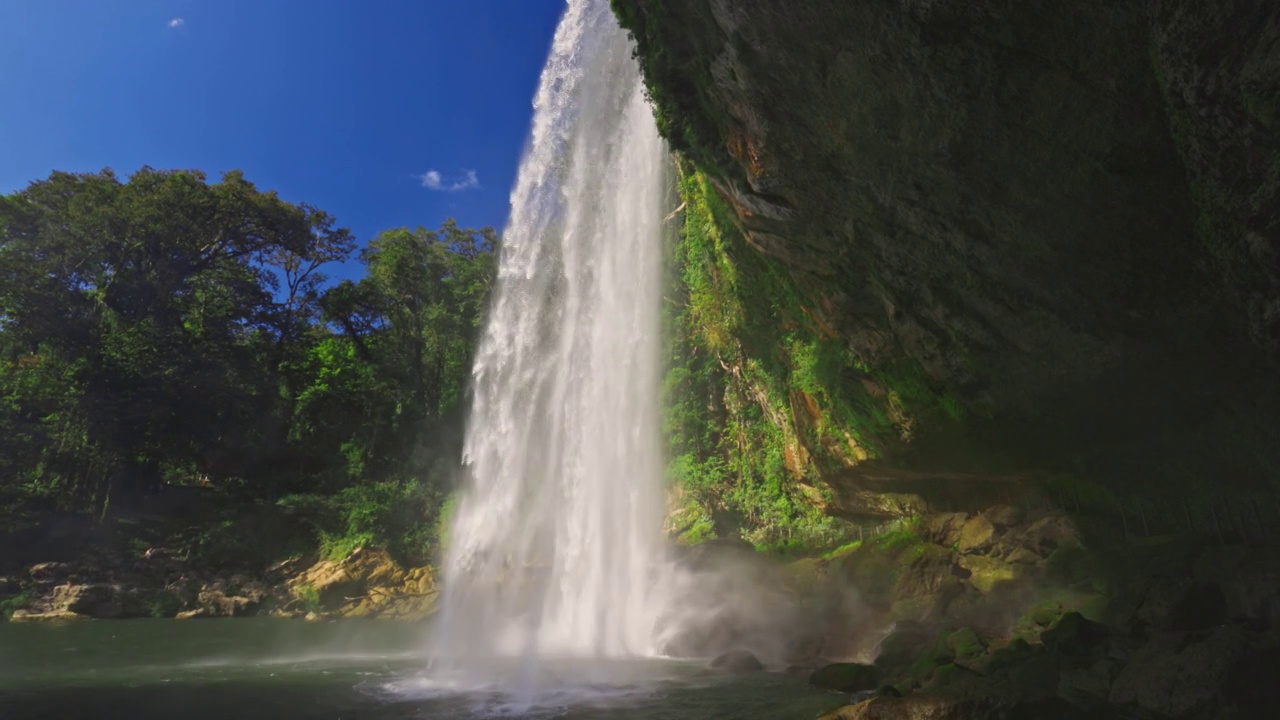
{"x": 764, "y": 401}
{"x": 958, "y": 251}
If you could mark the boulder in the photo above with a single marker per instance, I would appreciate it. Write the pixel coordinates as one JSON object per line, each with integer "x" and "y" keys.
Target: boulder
{"x": 964, "y": 646}
{"x": 846, "y": 677}
{"x": 1033, "y": 544}
{"x": 1248, "y": 579}
{"x": 1005, "y": 659}
{"x": 1252, "y": 688}
{"x": 30, "y": 615}
{"x": 1182, "y": 604}
{"x": 915, "y": 707}
{"x": 336, "y": 583}
{"x": 48, "y": 571}
{"x": 1091, "y": 686}
{"x": 97, "y": 601}
{"x": 949, "y": 674}
{"x": 943, "y": 528}
{"x": 736, "y": 661}
{"x": 986, "y": 573}
{"x": 1166, "y": 681}
{"x": 903, "y": 646}
{"x": 1073, "y": 634}
{"x": 978, "y": 534}
{"x": 1004, "y": 515}
{"x": 216, "y": 603}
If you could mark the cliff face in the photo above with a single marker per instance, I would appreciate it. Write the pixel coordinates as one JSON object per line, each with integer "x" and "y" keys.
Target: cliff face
{"x": 1037, "y": 235}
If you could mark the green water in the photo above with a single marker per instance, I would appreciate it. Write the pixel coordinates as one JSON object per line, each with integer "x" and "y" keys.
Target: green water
{"x": 350, "y": 670}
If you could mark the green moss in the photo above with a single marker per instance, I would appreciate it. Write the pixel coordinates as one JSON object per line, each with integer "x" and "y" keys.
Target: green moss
{"x": 308, "y": 596}
{"x": 164, "y": 605}
{"x": 842, "y": 550}
{"x": 902, "y": 539}
{"x": 948, "y": 674}
{"x": 965, "y": 645}
{"x": 1011, "y": 656}
{"x": 10, "y": 605}
{"x": 988, "y": 573}
{"x": 889, "y": 691}
{"x": 922, "y": 670}
{"x": 763, "y": 401}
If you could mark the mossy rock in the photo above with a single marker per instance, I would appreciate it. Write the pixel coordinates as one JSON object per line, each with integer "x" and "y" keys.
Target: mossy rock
{"x": 1036, "y": 676}
{"x": 1045, "y": 613}
{"x": 1073, "y": 634}
{"x": 1011, "y": 656}
{"x": 949, "y": 674}
{"x": 888, "y": 691}
{"x": 986, "y": 573}
{"x": 921, "y": 671}
{"x": 965, "y": 645}
{"x": 846, "y": 677}
{"x": 1072, "y": 566}
{"x": 907, "y": 643}
{"x": 164, "y": 604}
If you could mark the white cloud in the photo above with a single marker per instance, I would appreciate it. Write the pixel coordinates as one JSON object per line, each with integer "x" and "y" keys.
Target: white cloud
{"x": 433, "y": 180}
{"x": 177, "y": 23}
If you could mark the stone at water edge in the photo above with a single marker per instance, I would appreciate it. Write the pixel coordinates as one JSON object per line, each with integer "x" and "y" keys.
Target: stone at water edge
{"x": 737, "y": 661}
{"x": 25, "y": 615}
{"x": 846, "y": 677}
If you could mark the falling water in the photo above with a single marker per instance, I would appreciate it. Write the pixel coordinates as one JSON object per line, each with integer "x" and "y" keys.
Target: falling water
{"x": 557, "y": 535}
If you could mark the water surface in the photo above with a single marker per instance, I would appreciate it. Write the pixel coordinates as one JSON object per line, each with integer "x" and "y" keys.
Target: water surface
{"x": 261, "y": 668}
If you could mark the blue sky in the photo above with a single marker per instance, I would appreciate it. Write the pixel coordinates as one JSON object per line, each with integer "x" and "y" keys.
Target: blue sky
{"x": 342, "y": 104}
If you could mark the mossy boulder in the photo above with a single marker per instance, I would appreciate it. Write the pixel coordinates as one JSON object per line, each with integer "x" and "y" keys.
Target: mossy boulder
{"x": 846, "y": 677}
{"x": 904, "y": 645}
{"x": 987, "y": 573}
{"x": 1004, "y": 659}
{"x": 949, "y": 674}
{"x": 964, "y": 645}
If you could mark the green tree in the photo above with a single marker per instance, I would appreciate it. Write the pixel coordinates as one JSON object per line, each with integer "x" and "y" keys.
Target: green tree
{"x": 155, "y": 299}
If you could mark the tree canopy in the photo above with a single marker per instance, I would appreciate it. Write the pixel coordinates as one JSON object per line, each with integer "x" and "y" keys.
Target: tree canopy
{"x": 166, "y": 330}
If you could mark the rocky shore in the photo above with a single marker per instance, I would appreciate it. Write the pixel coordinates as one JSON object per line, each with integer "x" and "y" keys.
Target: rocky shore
{"x": 1002, "y": 614}
{"x": 999, "y": 614}
{"x": 367, "y": 583}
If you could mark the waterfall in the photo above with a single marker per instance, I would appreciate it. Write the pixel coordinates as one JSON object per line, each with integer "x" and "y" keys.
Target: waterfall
{"x": 556, "y": 537}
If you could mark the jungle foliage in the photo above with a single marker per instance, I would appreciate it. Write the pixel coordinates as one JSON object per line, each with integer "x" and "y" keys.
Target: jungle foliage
{"x": 163, "y": 331}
